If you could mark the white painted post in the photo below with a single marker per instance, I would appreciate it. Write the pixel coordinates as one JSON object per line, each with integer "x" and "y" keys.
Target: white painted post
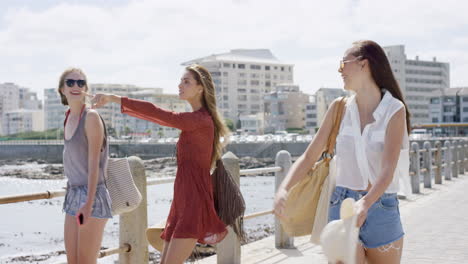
{"x": 461, "y": 158}
{"x": 448, "y": 160}
{"x": 438, "y": 163}
{"x": 427, "y": 163}
{"x": 414, "y": 167}
{"x": 228, "y": 251}
{"x": 132, "y": 229}
{"x": 454, "y": 159}
{"x": 283, "y": 160}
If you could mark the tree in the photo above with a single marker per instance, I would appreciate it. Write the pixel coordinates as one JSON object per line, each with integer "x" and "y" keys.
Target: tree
{"x": 127, "y": 130}
{"x": 111, "y": 131}
{"x": 230, "y": 124}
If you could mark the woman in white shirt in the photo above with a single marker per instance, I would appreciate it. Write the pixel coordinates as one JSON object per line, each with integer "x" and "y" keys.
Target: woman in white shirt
{"x": 373, "y": 132}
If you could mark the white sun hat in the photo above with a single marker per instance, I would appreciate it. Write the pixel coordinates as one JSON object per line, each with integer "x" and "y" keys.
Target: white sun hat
{"x": 339, "y": 238}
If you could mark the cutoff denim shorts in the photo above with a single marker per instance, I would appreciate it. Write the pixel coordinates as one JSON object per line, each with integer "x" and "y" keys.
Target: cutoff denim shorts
{"x": 383, "y": 224}
{"x": 76, "y": 197}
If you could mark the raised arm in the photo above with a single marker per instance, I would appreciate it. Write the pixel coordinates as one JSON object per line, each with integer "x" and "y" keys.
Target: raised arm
{"x": 150, "y": 112}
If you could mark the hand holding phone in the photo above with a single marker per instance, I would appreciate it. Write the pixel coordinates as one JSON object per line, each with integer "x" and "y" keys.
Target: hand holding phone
{"x": 79, "y": 219}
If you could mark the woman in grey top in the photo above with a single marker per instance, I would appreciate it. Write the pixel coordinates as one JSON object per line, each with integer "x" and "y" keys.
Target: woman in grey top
{"x": 87, "y": 203}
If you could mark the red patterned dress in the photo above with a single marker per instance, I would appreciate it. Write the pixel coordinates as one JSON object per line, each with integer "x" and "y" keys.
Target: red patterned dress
{"x": 192, "y": 213}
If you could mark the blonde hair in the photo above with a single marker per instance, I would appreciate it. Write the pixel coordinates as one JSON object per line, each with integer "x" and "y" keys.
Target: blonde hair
{"x": 62, "y": 82}
{"x": 203, "y": 77}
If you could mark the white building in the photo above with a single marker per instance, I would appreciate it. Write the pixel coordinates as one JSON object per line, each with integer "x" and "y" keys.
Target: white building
{"x": 449, "y": 105}
{"x": 54, "y": 111}
{"x": 417, "y": 79}
{"x": 9, "y": 100}
{"x": 23, "y": 120}
{"x": 311, "y": 115}
{"x": 28, "y": 100}
{"x": 324, "y": 97}
{"x": 285, "y": 108}
{"x": 253, "y": 124}
{"x": 242, "y": 77}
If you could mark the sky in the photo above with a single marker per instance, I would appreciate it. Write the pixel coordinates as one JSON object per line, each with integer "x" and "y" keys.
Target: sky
{"x": 145, "y": 42}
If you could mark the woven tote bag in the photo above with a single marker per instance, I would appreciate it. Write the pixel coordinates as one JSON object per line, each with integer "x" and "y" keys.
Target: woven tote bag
{"x": 303, "y": 197}
{"x": 123, "y": 192}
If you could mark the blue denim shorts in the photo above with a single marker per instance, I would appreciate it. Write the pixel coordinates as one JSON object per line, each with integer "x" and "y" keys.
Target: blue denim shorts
{"x": 383, "y": 224}
{"x": 76, "y": 197}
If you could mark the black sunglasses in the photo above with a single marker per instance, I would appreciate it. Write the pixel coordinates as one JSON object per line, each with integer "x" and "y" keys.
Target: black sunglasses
{"x": 70, "y": 83}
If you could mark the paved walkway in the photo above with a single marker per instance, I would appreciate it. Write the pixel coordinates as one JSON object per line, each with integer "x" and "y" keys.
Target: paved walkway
{"x": 435, "y": 223}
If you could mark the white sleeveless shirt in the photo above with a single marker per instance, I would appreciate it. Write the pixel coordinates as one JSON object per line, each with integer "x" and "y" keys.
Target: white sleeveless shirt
{"x": 359, "y": 156}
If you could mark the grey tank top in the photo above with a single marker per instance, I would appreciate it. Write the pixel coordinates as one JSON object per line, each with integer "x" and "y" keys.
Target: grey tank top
{"x": 75, "y": 156}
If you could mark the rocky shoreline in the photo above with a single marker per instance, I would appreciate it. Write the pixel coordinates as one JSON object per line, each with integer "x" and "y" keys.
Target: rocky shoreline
{"x": 159, "y": 167}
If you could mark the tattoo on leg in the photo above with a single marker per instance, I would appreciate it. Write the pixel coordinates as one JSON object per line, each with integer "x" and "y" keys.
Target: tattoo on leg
{"x": 387, "y": 248}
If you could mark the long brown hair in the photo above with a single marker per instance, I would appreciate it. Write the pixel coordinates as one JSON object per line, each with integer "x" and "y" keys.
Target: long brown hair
{"x": 380, "y": 70}
{"x": 203, "y": 77}
{"x": 62, "y": 82}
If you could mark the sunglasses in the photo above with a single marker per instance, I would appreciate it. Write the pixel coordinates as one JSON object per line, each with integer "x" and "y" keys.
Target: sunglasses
{"x": 343, "y": 62}
{"x": 70, "y": 83}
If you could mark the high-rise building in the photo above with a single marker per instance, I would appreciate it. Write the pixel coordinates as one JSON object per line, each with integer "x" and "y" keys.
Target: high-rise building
{"x": 23, "y": 120}
{"x": 285, "y": 108}
{"x": 323, "y": 98}
{"x": 9, "y": 100}
{"x": 449, "y": 105}
{"x": 417, "y": 79}
{"x": 28, "y": 99}
{"x": 242, "y": 77}
{"x": 54, "y": 111}
{"x": 311, "y": 115}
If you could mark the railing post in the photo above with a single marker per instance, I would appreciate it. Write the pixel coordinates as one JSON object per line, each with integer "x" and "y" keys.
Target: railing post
{"x": 414, "y": 167}
{"x": 229, "y": 250}
{"x": 283, "y": 160}
{"x": 454, "y": 159}
{"x": 132, "y": 229}
{"x": 448, "y": 161}
{"x": 465, "y": 149}
{"x": 427, "y": 163}
{"x": 461, "y": 158}
{"x": 438, "y": 163}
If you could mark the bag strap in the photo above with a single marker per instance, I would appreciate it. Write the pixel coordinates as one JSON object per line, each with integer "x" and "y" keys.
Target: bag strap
{"x": 337, "y": 117}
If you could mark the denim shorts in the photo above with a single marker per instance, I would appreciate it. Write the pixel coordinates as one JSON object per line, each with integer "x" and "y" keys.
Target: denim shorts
{"x": 76, "y": 197}
{"x": 383, "y": 224}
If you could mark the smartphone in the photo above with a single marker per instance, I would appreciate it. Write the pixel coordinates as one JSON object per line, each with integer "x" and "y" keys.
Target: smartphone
{"x": 79, "y": 218}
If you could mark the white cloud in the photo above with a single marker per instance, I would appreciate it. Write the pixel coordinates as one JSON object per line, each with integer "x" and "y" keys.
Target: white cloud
{"x": 144, "y": 42}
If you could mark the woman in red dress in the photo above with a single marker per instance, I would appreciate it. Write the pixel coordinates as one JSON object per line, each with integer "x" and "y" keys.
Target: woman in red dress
{"x": 192, "y": 216}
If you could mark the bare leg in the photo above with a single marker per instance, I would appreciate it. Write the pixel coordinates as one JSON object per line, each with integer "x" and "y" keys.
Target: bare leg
{"x": 89, "y": 240}
{"x": 387, "y": 254}
{"x": 360, "y": 254}
{"x": 179, "y": 250}
{"x": 70, "y": 238}
{"x": 164, "y": 252}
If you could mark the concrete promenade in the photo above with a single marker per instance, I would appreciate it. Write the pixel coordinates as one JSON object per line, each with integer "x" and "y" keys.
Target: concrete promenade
{"x": 435, "y": 223}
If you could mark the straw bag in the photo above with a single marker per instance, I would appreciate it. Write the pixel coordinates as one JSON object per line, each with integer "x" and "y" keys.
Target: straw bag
{"x": 123, "y": 192}
{"x": 303, "y": 197}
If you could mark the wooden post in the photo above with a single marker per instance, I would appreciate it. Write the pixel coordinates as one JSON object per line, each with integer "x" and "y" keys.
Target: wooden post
{"x": 448, "y": 161}
{"x": 427, "y": 163}
{"x": 229, "y": 250}
{"x": 283, "y": 160}
{"x": 438, "y": 163}
{"x": 133, "y": 225}
{"x": 414, "y": 167}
